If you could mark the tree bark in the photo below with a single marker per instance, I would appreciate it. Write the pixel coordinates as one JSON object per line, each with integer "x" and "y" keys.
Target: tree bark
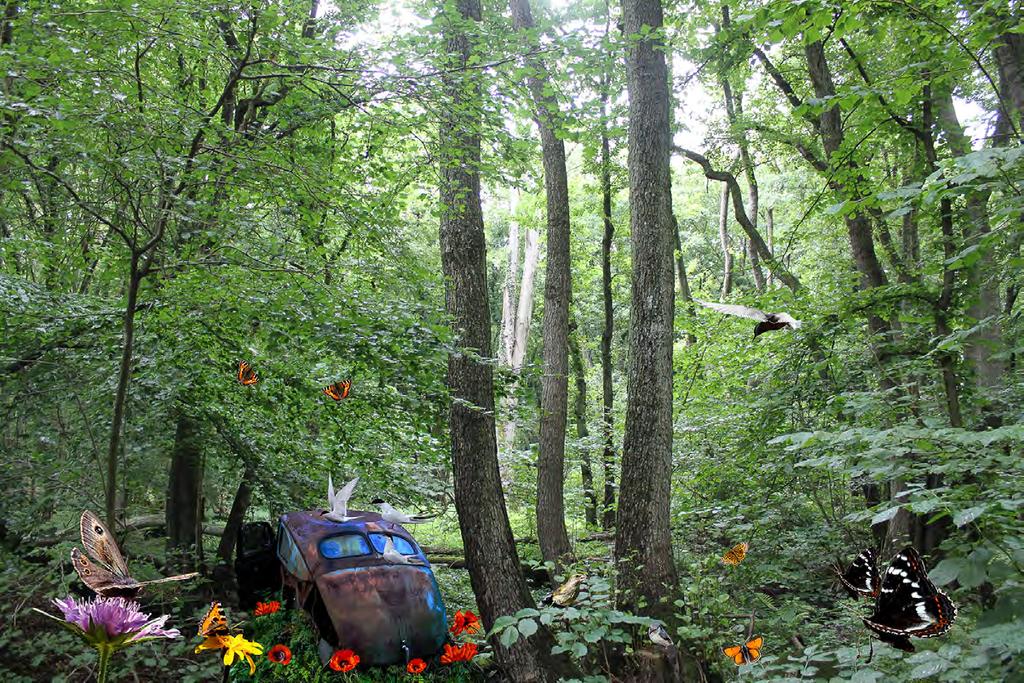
{"x": 184, "y": 488}
{"x": 769, "y": 231}
{"x": 607, "y": 390}
{"x": 524, "y": 315}
{"x": 643, "y": 542}
{"x": 121, "y": 393}
{"x": 723, "y": 240}
{"x": 554, "y": 394}
{"x": 239, "y": 506}
{"x": 582, "y": 432}
{"x": 483, "y": 519}
{"x": 509, "y": 297}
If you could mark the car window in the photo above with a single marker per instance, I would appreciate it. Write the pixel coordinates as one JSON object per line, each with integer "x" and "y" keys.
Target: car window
{"x": 348, "y": 545}
{"x": 402, "y": 545}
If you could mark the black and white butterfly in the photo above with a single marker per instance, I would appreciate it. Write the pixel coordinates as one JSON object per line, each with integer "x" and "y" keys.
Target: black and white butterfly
{"x": 908, "y": 605}
{"x": 862, "y": 579}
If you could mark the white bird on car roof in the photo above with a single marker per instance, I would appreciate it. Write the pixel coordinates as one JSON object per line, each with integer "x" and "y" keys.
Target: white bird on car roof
{"x": 393, "y": 556}
{"x": 338, "y": 502}
{"x": 390, "y": 514}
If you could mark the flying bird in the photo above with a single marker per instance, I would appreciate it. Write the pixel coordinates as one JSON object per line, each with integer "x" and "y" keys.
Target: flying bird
{"x": 566, "y": 594}
{"x": 338, "y": 502}
{"x": 659, "y": 636}
{"x": 766, "y": 322}
{"x": 390, "y": 514}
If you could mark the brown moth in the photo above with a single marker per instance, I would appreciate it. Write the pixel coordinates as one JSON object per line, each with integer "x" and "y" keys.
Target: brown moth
{"x": 104, "y": 570}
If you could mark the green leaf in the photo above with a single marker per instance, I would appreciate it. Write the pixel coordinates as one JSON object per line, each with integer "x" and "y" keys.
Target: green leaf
{"x": 527, "y": 627}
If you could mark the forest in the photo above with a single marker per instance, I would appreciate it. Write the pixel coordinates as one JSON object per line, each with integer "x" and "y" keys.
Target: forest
{"x": 538, "y": 340}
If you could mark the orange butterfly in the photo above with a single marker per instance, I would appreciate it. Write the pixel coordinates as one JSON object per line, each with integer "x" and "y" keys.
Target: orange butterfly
{"x": 213, "y": 629}
{"x": 246, "y": 375}
{"x": 338, "y": 390}
{"x": 746, "y": 653}
{"x": 736, "y": 554}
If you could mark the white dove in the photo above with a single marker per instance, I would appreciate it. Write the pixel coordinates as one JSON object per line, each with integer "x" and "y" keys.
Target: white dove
{"x": 339, "y": 501}
{"x": 390, "y": 514}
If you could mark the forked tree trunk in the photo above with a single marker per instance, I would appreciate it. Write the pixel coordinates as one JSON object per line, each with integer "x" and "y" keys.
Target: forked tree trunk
{"x": 554, "y": 395}
{"x": 491, "y": 555}
{"x": 239, "y": 507}
{"x": 643, "y": 543}
{"x": 520, "y": 336}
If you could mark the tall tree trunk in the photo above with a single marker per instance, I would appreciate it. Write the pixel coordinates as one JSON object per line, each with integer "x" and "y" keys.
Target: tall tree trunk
{"x": 509, "y": 296}
{"x": 643, "y": 542}
{"x": 607, "y": 393}
{"x": 520, "y": 336}
{"x": 121, "y": 393}
{"x": 491, "y": 555}
{"x": 184, "y": 488}
{"x": 734, "y": 111}
{"x": 684, "y": 283}
{"x": 769, "y": 231}
{"x": 554, "y": 394}
{"x": 723, "y": 238}
{"x": 582, "y": 432}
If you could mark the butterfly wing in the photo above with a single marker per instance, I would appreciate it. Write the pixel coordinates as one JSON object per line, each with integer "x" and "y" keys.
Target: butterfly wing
{"x": 753, "y": 648}
{"x": 338, "y": 390}
{"x": 344, "y": 386}
{"x": 736, "y": 554}
{"x": 246, "y": 375}
{"x": 909, "y": 604}
{"x": 103, "y": 581}
{"x": 100, "y": 544}
{"x": 862, "y": 577}
{"x": 332, "y": 392}
{"x": 214, "y": 623}
{"x": 735, "y": 653}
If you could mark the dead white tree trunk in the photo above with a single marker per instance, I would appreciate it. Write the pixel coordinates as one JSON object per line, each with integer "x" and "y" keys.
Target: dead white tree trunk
{"x": 509, "y": 291}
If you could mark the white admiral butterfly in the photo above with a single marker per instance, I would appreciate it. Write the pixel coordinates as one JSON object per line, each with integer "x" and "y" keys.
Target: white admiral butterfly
{"x": 907, "y": 603}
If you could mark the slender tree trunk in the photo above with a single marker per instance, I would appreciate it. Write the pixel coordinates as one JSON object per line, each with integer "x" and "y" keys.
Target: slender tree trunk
{"x": 607, "y": 393}
{"x": 491, "y": 555}
{"x": 723, "y": 238}
{"x": 769, "y": 231}
{"x": 643, "y": 543}
{"x": 121, "y": 393}
{"x": 239, "y": 506}
{"x": 684, "y": 284}
{"x": 554, "y": 395}
{"x": 523, "y": 318}
{"x": 184, "y": 487}
{"x": 582, "y": 432}
{"x": 509, "y": 296}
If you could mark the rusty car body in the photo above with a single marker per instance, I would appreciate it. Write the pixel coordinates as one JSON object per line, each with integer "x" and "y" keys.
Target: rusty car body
{"x": 388, "y": 613}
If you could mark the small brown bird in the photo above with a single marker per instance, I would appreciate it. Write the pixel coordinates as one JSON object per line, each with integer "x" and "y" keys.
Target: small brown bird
{"x": 566, "y": 594}
{"x": 766, "y": 322}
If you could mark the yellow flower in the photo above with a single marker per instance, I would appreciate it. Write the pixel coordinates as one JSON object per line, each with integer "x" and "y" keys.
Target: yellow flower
{"x": 212, "y": 643}
{"x": 238, "y": 646}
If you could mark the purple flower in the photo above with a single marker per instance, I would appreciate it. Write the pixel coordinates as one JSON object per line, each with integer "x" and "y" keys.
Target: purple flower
{"x": 116, "y": 621}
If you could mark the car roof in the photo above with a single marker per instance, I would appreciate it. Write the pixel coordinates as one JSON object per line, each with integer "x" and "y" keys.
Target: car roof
{"x": 309, "y": 527}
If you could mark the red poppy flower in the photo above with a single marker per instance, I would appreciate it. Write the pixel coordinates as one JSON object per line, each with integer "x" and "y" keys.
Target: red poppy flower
{"x": 416, "y": 666}
{"x": 343, "y": 660}
{"x": 264, "y": 608}
{"x": 280, "y": 654}
{"x": 465, "y": 622}
{"x": 458, "y": 654}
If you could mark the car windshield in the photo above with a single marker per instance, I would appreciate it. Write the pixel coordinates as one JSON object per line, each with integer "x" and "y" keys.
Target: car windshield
{"x": 402, "y": 545}
{"x": 347, "y": 545}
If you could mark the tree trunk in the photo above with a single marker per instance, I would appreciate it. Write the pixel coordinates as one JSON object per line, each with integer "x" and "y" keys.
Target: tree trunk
{"x": 643, "y": 543}
{"x": 723, "y": 238}
{"x": 509, "y": 298}
{"x": 184, "y": 488}
{"x": 684, "y": 283}
{"x": 121, "y": 394}
{"x": 554, "y": 394}
{"x": 607, "y": 393}
{"x": 483, "y": 519}
{"x": 524, "y": 314}
{"x": 769, "y": 231}
{"x": 582, "y": 433}
{"x": 239, "y": 507}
